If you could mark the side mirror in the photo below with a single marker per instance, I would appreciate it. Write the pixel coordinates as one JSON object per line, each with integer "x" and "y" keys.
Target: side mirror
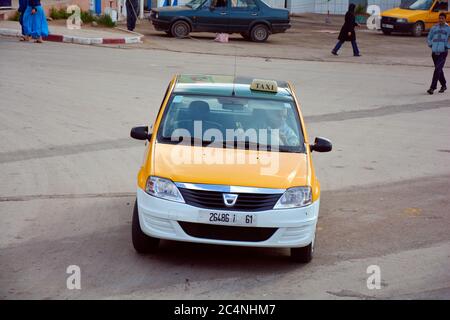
{"x": 321, "y": 145}
{"x": 140, "y": 133}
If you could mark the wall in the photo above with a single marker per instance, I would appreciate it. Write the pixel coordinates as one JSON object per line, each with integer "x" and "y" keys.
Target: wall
{"x": 318, "y": 6}
{"x": 47, "y": 5}
{"x": 334, "y": 6}
{"x": 300, "y": 6}
{"x": 385, "y": 4}
{"x": 276, "y": 3}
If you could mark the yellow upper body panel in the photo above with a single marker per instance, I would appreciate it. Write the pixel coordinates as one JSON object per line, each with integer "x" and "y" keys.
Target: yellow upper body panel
{"x": 411, "y": 15}
{"x": 250, "y": 168}
{"x": 429, "y": 17}
{"x": 237, "y": 167}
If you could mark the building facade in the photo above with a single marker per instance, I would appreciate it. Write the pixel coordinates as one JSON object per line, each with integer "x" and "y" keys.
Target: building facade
{"x": 309, "y": 6}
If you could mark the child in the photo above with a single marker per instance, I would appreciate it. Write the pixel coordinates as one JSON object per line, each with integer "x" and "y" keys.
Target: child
{"x": 34, "y": 21}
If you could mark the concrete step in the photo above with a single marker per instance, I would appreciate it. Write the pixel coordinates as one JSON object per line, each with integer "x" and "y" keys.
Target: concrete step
{"x": 8, "y": 13}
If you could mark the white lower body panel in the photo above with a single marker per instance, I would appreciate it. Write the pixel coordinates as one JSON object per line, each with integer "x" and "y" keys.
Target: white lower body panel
{"x": 159, "y": 218}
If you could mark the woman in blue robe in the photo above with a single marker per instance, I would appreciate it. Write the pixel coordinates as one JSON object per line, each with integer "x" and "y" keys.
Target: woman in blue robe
{"x": 34, "y": 21}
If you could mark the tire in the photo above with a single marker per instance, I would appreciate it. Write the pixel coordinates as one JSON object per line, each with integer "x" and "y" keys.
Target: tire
{"x": 387, "y": 32}
{"x": 303, "y": 254}
{"x": 259, "y": 33}
{"x": 142, "y": 243}
{"x": 245, "y": 35}
{"x": 180, "y": 29}
{"x": 418, "y": 29}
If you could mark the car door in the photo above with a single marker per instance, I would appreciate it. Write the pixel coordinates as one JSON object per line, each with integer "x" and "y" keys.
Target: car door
{"x": 433, "y": 18}
{"x": 211, "y": 18}
{"x": 242, "y": 13}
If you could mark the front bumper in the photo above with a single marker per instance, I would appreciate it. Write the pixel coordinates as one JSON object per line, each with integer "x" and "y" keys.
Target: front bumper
{"x": 161, "y": 218}
{"x": 395, "y": 26}
{"x": 160, "y": 25}
{"x": 280, "y": 27}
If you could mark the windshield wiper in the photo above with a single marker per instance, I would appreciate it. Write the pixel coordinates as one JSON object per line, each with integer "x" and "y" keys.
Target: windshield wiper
{"x": 231, "y": 143}
{"x": 247, "y": 144}
{"x": 184, "y": 140}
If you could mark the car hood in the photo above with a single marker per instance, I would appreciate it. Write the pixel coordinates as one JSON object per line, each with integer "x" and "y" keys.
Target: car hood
{"x": 402, "y": 13}
{"x": 171, "y": 9}
{"x": 182, "y": 163}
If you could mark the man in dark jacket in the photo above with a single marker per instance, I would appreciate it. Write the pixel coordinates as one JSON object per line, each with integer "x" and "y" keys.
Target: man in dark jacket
{"x": 23, "y": 4}
{"x": 348, "y": 32}
{"x": 132, "y": 13}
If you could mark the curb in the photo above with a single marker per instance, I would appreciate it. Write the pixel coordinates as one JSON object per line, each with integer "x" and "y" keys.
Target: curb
{"x": 76, "y": 39}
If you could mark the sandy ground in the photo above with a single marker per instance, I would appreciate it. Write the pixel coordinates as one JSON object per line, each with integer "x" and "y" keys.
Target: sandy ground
{"x": 310, "y": 38}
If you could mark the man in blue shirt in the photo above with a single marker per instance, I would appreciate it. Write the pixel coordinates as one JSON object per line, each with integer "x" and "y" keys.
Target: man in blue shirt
{"x": 438, "y": 42}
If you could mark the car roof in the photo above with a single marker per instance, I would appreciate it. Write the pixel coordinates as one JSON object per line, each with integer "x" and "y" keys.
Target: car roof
{"x": 225, "y": 85}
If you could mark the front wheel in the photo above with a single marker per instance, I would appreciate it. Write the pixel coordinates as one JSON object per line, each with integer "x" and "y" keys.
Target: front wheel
{"x": 180, "y": 29}
{"x": 259, "y": 33}
{"x": 303, "y": 254}
{"x": 142, "y": 243}
{"x": 418, "y": 29}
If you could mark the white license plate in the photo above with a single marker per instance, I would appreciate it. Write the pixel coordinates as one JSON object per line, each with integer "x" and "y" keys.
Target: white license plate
{"x": 227, "y": 218}
{"x": 389, "y": 26}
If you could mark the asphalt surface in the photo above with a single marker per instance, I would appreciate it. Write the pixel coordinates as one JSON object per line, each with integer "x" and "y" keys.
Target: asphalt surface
{"x": 68, "y": 173}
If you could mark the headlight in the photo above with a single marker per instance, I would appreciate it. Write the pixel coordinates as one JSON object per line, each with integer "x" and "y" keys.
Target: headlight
{"x": 295, "y": 198}
{"x": 163, "y": 188}
{"x": 156, "y": 16}
{"x": 402, "y": 20}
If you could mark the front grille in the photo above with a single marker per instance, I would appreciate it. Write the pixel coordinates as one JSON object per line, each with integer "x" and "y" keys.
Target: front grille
{"x": 230, "y": 233}
{"x": 214, "y": 200}
{"x": 388, "y": 20}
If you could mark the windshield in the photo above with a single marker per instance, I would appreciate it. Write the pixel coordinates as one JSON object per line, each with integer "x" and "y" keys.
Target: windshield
{"x": 232, "y": 122}
{"x": 418, "y": 5}
{"x": 195, "y": 4}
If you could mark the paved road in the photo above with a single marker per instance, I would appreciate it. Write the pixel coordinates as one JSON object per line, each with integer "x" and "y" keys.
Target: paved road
{"x": 67, "y": 179}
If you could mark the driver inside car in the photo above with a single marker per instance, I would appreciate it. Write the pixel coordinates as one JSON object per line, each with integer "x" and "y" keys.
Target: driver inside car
{"x": 278, "y": 121}
{"x": 219, "y": 3}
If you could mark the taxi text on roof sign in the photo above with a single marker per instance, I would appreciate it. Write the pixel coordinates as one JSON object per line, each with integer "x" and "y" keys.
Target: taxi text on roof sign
{"x": 264, "y": 85}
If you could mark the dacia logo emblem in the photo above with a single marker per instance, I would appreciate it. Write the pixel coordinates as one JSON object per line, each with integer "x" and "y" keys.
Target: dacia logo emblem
{"x": 229, "y": 199}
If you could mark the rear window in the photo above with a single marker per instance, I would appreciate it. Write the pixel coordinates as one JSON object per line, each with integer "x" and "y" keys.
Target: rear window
{"x": 262, "y": 124}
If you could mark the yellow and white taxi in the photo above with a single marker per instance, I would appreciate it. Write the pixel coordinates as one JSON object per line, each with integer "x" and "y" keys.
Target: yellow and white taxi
{"x": 228, "y": 161}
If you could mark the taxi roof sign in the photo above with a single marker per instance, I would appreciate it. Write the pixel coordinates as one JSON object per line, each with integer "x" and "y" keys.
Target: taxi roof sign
{"x": 264, "y": 85}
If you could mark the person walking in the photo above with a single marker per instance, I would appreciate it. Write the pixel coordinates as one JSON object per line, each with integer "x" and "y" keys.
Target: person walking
{"x": 438, "y": 38}
{"x": 34, "y": 21}
{"x": 348, "y": 32}
{"x": 132, "y": 13}
{"x": 23, "y": 4}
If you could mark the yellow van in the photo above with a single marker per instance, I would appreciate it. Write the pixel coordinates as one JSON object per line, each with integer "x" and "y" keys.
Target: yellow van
{"x": 415, "y": 17}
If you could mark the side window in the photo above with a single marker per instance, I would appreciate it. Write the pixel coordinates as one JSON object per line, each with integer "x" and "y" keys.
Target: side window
{"x": 220, "y": 3}
{"x": 243, "y": 4}
{"x": 441, "y": 6}
{"x": 207, "y": 4}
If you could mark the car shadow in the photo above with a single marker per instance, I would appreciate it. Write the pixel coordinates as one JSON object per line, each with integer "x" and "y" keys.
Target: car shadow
{"x": 108, "y": 260}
